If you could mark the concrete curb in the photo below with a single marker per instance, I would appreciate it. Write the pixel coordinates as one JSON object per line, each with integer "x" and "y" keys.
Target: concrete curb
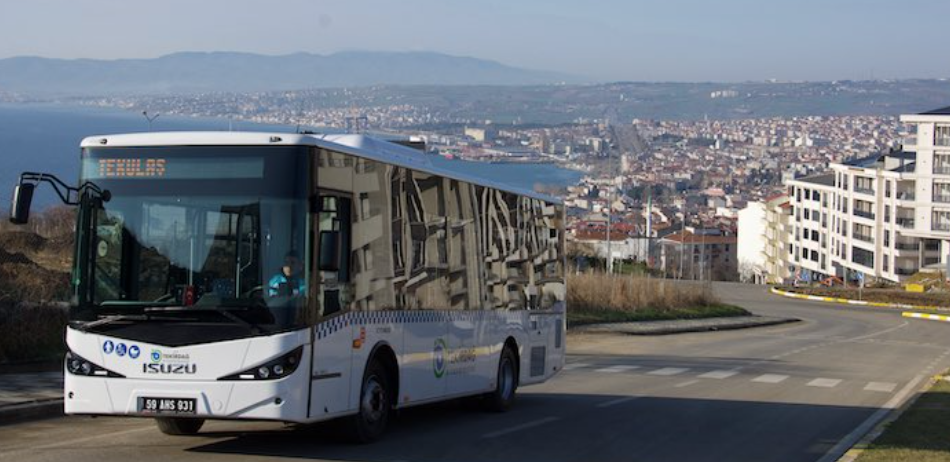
{"x": 682, "y": 326}
{"x": 848, "y": 301}
{"x": 31, "y": 410}
{"x": 931, "y": 317}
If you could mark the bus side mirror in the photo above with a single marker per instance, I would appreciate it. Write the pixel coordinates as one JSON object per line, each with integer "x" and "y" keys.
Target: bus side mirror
{"x": 20, "y": 207}
{"x": 329, "y": 250}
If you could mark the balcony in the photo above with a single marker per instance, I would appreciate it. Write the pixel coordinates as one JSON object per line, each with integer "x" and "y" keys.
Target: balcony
{"x": 864, "y": 214}
{"x": 906, "y": 223}
{"x": 905, "y": 195}
{"x": 861, "y": 190}
{"x": 864, "y": 237}
{"x": 940, "y": 227}
{"x": 942, "y": 169}
{"x": 907, "y": 245}
{"x": 942, "y": 198}
{"x": 906, "y": 271}
{"x": 909, "y": 141}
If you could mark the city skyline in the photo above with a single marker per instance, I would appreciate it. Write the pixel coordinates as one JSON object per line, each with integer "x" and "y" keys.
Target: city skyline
{"x": 685, "y": 40}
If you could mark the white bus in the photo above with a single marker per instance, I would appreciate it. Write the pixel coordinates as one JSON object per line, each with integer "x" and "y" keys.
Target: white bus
{"x": 300, "y": 278}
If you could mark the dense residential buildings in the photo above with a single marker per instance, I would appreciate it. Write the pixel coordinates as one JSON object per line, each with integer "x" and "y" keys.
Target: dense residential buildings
{"x": 765, "y": 228}
{"x": 883, "y": 217}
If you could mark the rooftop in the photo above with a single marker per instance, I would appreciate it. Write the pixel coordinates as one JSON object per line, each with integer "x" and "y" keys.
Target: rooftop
{"x": 940, "y": 111}
{"x": 827, "y": 179}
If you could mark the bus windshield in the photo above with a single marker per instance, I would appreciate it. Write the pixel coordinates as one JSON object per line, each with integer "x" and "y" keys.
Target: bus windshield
{"x": 211, "y": 235}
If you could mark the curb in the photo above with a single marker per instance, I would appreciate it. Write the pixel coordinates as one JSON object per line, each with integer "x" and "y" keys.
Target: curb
{"x": 931, "y": 317}
{"x": 31, "y": 410}
{"x": 848, "y": 301}
{"x": 686, "y": 326}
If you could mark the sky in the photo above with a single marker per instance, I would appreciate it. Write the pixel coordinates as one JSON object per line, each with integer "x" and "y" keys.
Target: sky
{"x": 601, "y": 40}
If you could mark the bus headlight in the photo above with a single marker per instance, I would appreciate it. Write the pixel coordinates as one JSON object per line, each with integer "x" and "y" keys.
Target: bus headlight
{"x": 76, "y": 365}
{"x": 272, "y": 370}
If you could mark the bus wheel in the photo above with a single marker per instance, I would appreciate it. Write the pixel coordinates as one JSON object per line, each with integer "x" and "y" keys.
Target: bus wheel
{"x": 179, "y": 426}
{"x": 506, "y": 384}
{"x": 370, "y": 421}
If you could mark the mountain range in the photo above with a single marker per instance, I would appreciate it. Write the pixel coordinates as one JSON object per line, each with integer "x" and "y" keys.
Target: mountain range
{"x": 196, "y": 72}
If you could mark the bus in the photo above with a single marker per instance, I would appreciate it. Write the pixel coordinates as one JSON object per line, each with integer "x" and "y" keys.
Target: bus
{"x": 300, "y": 278}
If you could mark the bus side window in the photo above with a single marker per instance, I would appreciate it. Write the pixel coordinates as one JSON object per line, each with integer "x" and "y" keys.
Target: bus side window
{"x": 334, "y": 237}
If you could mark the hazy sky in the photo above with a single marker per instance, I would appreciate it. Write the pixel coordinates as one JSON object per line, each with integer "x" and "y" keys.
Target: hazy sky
{"x": 684, "y": 40}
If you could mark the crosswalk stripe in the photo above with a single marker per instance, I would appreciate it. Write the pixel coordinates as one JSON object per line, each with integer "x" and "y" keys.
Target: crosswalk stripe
{"x": 885, "y": 387}
{"x": 718, "y": 374}
{"x": 667, "y": 371}
{"x": 572, "y": 366}
{"x": 616, "y": 369}
{"x": 770, "y": 378}
{"x": 824, "y": 383}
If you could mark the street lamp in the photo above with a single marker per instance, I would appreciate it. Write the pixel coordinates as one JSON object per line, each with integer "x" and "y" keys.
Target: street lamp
{"x": 150, "y": 119}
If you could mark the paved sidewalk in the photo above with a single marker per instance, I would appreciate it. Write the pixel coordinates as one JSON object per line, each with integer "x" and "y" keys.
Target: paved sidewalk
{"x": 23, "y": 388}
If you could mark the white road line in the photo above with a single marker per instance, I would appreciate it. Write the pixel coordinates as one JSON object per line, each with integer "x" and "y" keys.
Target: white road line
{"x": 668, "y": 371}
{"x": 518, "y": 428}
{"x": 616, "y": 369}
{"x": 824, "y": 383}
{"x": 572, "y": 366}
{"x": 617, "y": 401}
{"x": 770, "y": 378}
{"x": 851, "y": 438}
{"x": 884, "y": 387}
{"x": 718, "y": 374}
{"x": 686, "y": 384}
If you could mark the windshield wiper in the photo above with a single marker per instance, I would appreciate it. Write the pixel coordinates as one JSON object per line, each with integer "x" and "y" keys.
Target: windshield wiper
{"x": 109, "y": 319}
{"x": 222, "y": 310}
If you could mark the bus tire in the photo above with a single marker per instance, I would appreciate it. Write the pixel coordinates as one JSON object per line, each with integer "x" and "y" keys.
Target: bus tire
{"x": 506, "y": 384}
{"x": 369, "y": 423}
{"x": 179, "y": 426}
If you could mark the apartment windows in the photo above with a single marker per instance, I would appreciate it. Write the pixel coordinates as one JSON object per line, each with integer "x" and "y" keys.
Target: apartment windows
{"x": 941, "y": 192}
{"x": 887, "y": 188}
{"x": 844, "y": 182}
{"x": 942, "y": 135}
{"x": 940, "y": 220}
{"x": 816, "y": 196}
{"x": 886, "y": 263}
{"x": 863, "y": 233}
{"x": 844, "y": 228}
{"x": 864, "y": 185}
{"x": 814, "y": 256}
{"x": 807, "y": 214}
{"x": 814, "y": 235}
{"x": 887, "y": 214}
{"x": 824, "y": 262}
{"x": 887, "y": 238}
{"x": 807, "y": 194}
{"x": 804, "y": 252}
{"x": 942, "y": 163}
{"x": 798, "y": 194}
{"x": 863, "y": 209}
{"x": 862, "y": 257}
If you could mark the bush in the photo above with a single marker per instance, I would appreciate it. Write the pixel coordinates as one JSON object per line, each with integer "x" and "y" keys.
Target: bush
{"x": 31, "y": 333}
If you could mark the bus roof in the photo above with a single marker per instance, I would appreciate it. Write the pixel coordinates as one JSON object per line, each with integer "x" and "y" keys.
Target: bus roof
{"x": 357, "y": 145}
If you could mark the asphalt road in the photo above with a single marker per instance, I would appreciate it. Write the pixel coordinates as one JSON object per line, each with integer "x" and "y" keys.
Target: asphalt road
{"x": 797, "y": 392}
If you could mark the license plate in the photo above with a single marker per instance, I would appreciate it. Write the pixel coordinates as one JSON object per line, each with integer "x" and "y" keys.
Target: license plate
{"x": 167, "y": 405}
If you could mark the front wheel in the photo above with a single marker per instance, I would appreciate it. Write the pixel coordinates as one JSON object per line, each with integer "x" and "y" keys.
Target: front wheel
{"x": 370, "y": 422}
{"x": 178, "y": 426}
{"x": 506, "y": 384}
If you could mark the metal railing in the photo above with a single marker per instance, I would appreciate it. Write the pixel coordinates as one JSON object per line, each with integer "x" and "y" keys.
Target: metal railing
{"x": 906, "y": 271}
{"x": 942, "y": 169}
{"x": 906, "y": 223}
{"x": 864, "y": 190}
{"x": 863, "y": 214}
{"x": 907, "y": 246}
{"x": 863, "y": 237}
{"x": 943, "y": 198}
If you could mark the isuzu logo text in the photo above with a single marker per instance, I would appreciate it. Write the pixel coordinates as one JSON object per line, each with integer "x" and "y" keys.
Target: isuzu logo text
{"x": 169, "y": 368}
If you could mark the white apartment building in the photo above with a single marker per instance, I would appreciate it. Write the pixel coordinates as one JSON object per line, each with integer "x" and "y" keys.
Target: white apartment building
{"x": 764, "y": 236}
{"x": 883, "y": 217}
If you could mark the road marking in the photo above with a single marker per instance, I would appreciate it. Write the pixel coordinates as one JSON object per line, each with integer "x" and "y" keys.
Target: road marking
{"x": 884, "y": 387}
{"x": 686, "y": 384}
{"x": 851, "y": 438}
{"x": 617, "y": 401}
{"x": 718, "y": 374}
{"x": 824, "y": 383}
{"x": 770, "y": 378}
{"x": 518, "y": 428}
{"x": 668, "y": 371}
{"x": 616, "y": 369}
{"x": 572, "y": 366}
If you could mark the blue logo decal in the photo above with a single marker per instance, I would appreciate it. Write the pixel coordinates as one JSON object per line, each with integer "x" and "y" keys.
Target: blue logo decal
{"x": 156, "y": 356}
{"x": 120, "y": 349}
{"x": 134, "y": 351}
{"x": 108, "y": 346}
{"x": 438, "y": 358}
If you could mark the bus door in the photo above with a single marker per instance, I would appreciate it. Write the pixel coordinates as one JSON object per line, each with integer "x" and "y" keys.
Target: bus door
{"x": 333, "y": 340}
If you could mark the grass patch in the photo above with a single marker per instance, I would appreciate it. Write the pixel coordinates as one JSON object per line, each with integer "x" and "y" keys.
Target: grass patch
{"x": 919, "y": 434}
{"x": 598, "y": 298}
{"x": 577, "y": 317}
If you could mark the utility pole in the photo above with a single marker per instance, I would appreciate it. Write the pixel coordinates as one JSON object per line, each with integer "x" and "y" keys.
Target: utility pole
{"x": 610, "y": 255}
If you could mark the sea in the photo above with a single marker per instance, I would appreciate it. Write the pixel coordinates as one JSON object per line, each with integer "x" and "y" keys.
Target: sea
{"x": 45, "y": 138}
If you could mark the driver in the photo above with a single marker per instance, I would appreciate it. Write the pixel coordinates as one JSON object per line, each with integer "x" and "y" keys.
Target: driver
{"x": 289, "y": 281}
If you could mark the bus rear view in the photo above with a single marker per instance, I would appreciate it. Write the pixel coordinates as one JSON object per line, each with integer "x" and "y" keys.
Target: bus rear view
{"x": 298, "y": 278}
